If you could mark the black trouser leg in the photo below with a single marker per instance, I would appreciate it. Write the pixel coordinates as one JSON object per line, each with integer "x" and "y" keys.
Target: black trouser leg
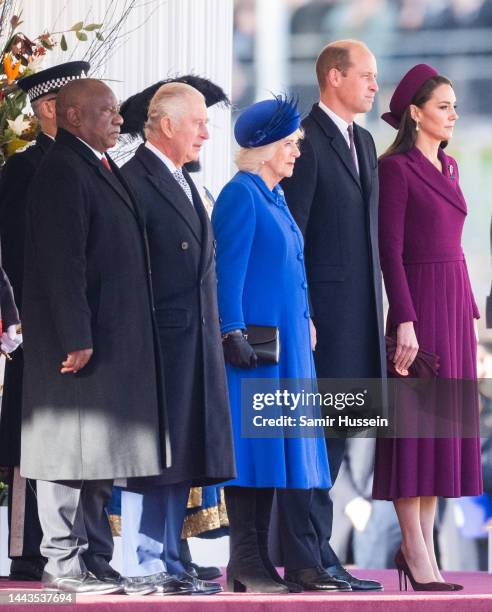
{"x": 184, "y": 552}
{"x": 306, "y": 519}
{"x": 322, "y": 504}
{"x": 25, "y": 532}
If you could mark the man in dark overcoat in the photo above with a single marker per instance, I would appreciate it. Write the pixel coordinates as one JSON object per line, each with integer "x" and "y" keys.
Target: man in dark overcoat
{"x": 92, "y": 393}
{"x": 184, "y": 285}
{"x": 24, "y": 529}
{"x": 333, "y": 195}
{"x": 200, "y": 520}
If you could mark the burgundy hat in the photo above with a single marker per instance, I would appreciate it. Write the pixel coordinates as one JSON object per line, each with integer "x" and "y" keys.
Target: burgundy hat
{"x": 406, "y": 90}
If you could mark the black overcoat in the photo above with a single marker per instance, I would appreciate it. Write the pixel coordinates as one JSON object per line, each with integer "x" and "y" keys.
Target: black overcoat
{"x": 337, "y": 212}
{"x": 16, "y": 177}
{"x": 86, "y": 284}
{"x": 184, "y": 286}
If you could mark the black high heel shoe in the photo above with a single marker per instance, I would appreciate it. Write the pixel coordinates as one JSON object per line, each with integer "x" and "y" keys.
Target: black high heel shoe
{"x": 404, "y": 572}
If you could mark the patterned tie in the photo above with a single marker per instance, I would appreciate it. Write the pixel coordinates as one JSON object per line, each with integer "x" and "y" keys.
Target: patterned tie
{"x": 183, "y": 183}
{"x": 353, "y": 152}
{"x": 105, "y": 163}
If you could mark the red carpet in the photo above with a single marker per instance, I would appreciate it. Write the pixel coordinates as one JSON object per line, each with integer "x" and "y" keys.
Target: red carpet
{"x": 477, "y": 595}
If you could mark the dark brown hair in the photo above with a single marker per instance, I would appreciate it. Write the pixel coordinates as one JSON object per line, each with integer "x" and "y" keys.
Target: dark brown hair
{"x": 407, "y": 134}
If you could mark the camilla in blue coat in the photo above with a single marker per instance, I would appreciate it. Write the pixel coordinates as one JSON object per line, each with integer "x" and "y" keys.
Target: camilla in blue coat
{"x": 262, "y": 281}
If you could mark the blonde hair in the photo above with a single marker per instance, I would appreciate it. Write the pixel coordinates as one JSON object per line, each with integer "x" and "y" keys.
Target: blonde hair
{"x": 251, "y": 159}
{"x": 168, "y": 101}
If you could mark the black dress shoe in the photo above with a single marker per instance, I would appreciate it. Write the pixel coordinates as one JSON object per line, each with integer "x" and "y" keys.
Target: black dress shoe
{"x": 82, "y": 584}
{"x": 356, "y": 584}
{"x": 137, "y": 585}
{"x": 167, "y": 584}
{"x": 105, "y": 573}
{"x": 27, "y": 568}
{"x": 200, "y": 587}
{"x": 203, "y": 573}
{"x": 316, "y": 579}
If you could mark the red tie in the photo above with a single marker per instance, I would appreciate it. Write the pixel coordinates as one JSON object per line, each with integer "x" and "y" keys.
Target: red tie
{"x": 105, "y": 162}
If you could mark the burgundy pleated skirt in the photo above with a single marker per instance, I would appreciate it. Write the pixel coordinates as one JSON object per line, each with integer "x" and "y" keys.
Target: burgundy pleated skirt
{"x": 444, "y": 467}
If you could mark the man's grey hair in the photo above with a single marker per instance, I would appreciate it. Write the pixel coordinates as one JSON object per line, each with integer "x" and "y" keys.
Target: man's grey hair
{"x": 168, "y": 101}
{"x": 36, "y": 105}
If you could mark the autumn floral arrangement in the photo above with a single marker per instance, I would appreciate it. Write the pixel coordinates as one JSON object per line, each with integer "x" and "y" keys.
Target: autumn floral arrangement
{"x": 21, "y": 56}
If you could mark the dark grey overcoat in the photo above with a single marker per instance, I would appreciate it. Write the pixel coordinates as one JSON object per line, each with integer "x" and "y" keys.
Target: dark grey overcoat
{"x": 184, "y": 284}
{"x": 86, "y": 284}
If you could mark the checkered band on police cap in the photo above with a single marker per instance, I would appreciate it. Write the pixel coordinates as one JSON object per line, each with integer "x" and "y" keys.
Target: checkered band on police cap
{"x": 52, "y": 79}
{"x": 49, "y": 86}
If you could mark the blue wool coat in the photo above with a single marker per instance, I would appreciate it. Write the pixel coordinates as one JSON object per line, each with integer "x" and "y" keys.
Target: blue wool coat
{"x": 262, "y": 280}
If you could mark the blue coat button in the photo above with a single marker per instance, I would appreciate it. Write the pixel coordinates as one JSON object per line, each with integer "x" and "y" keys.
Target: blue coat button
{"x": 300, "y": 256}
{"x": 306, "y": 314}
{"x": 304, "y": 285}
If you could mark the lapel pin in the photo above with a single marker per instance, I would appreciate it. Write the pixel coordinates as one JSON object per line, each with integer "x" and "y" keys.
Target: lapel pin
{"x": 451, "y": 172}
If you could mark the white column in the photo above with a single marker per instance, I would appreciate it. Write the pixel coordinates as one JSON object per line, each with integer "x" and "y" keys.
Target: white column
{"x": 165, "y": 38}
{"x": 271, "y": 49}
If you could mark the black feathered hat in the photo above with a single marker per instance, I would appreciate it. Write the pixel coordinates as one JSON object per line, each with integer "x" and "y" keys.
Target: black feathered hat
{"x": 134, "y": 110}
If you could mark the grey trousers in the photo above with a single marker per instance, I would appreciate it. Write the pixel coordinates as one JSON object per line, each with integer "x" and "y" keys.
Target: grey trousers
{"x": 75, "y": 524}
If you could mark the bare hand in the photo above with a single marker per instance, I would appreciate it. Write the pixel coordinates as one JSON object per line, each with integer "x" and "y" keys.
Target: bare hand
{"x": 76, "y": 360}
{"x": 312, "y": 331}
{"x": 406, "y": 347}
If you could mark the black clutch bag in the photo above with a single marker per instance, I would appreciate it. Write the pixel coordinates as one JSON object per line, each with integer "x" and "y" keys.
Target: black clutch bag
{"x": 265, "y": 341}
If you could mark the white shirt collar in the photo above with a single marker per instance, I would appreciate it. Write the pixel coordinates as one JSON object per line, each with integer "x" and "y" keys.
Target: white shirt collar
{"x": 164, "y": 158}
{"x": 341, "y": 124}
{"x": 98, "y": 154}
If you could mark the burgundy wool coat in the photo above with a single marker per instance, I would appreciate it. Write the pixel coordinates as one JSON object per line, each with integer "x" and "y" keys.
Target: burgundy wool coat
{"x": 421, "y": 215}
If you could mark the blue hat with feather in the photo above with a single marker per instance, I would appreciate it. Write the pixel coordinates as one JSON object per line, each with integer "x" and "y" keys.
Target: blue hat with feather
{"x": 267, "y": 121}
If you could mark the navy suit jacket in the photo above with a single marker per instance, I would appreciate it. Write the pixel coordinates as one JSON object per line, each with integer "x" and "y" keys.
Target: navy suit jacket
{"x": 337, "y": 212}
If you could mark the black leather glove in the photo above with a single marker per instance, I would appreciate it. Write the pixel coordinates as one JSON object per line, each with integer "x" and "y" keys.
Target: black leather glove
{"x": 238, "y": 352}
